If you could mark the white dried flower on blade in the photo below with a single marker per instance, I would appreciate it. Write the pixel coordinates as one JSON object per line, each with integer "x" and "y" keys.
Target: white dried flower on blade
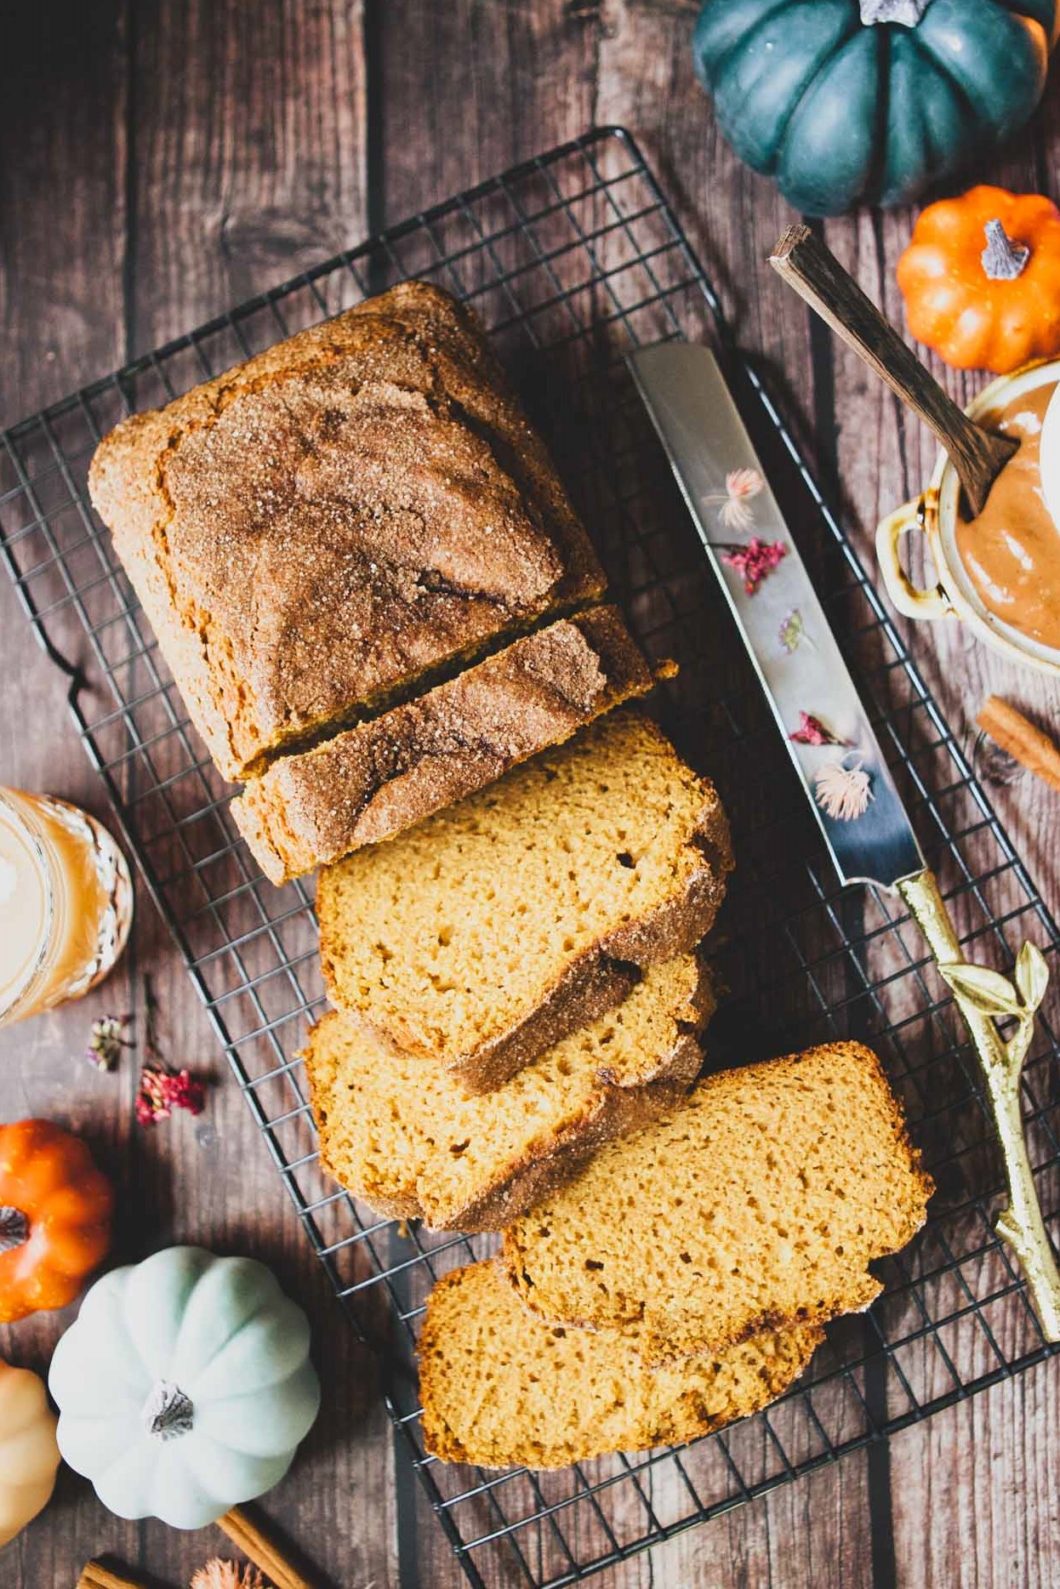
{"x": 843, "y": 792}
{"x": 740, "y": 486}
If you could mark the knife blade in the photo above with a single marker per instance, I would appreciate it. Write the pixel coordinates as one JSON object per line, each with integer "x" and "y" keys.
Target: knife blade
{"x": 782, "y": 624}
{"x": 827, "y": 731}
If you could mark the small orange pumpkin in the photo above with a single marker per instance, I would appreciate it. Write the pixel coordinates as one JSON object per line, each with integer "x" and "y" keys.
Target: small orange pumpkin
{"x": 981, "y": 279}
{"x": 55, "y": 1214}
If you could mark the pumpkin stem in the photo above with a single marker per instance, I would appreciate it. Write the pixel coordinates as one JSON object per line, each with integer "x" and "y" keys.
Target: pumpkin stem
{"x": 1003, "y": 260}
{"x": 14, "y": 1228}
{"x": 167, "y": 1413}
{"x": 906, "y": 13}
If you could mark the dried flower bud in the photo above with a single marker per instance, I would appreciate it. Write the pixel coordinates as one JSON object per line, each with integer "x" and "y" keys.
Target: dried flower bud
{"x": 185, "y": 1091}
{"x": 218, "y": 1574}
{"x": 106, "y": 1040}
{"x": 152, "y": 1104}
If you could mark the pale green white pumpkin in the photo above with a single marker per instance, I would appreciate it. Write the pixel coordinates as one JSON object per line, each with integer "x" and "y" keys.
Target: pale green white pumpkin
{"x": 185, "y": 1386}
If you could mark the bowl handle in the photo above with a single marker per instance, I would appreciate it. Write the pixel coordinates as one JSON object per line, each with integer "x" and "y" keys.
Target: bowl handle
{"x": 910, "y": 600}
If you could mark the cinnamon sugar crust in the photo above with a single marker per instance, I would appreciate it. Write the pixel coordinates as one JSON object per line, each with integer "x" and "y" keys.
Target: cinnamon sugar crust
{"x": 371, "y": 782}
{"x": 320, "y": 530}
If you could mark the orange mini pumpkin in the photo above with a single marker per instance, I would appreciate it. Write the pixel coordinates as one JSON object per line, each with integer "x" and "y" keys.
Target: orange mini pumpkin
{"x": 981, "y": 279}
{"x": 55, "y": 1214}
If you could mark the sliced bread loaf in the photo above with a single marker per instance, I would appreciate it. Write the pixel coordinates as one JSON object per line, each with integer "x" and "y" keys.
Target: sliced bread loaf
{"x": 758, "y": 1202}
{"x": 502, "y": 1389}
{"x": 398, "y": 1132}
{"x": 372, "y": 781}
{"x": 483, "y": 935}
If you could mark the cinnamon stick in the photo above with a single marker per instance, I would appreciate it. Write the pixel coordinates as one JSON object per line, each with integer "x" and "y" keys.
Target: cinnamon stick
{"x": 95, "y": 1576}
{"x": 244, "y": 1532}
{"x": 1015, "y": 733}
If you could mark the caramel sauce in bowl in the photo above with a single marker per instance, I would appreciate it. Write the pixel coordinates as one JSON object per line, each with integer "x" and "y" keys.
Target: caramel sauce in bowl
{"x": 998, "y": 572}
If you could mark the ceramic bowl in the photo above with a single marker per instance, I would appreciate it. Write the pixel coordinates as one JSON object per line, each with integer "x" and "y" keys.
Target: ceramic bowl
{"x": 934, "y": 515}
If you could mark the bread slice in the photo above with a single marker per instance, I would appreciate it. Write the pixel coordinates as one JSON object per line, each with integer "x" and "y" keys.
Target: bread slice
{"x": 757, "y": 1203}
{"x": 398, "y": 1133}
{"x": 501, "y": 1389}
{"x": 488, "y": 932}
{"x": 319, "y": 531}
{"x": 372, "y": 781}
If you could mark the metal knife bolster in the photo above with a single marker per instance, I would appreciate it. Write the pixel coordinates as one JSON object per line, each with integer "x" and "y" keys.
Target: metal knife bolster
{"x": 827, "y": 732}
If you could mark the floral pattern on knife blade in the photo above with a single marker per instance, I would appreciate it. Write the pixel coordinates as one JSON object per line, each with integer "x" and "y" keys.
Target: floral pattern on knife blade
{"x": 841, "y": 786}
{"x": 843, "y": 792}
{"x": 793, "y": 632}
{"x": 812, "y": 731}
{"x": 755, "y": 561}
{"x": 741, "y": 486}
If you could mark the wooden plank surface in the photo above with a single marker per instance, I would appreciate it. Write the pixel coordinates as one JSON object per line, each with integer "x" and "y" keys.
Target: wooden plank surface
{"x": 165, "y": 162}
{"x": 162, "y": 161}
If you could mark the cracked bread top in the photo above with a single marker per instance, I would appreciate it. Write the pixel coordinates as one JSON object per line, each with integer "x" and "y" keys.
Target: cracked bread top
{"x": 344, "y": 516}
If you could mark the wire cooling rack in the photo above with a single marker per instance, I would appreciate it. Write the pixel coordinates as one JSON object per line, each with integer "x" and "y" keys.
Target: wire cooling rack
{"x": 571, "y": 259}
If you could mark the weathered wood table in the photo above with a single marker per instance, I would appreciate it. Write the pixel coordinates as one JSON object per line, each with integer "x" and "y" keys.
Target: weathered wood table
{"x": 163, "y": 161}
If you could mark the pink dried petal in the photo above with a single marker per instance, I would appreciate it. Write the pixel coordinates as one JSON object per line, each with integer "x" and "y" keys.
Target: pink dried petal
{"x": 152, "y": 1102}
{"x": 754, "y": 561}
{"x": 184, "y": 1091}
{"x": 811, "y": 731}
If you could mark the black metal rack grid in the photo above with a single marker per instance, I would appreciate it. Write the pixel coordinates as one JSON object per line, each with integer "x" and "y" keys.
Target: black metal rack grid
{"x": 571, "y": 259}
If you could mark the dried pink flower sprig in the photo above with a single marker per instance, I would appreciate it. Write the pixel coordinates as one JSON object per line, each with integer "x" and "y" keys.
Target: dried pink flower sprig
{"x": 755, "y": 561}
{"x": 163, "y": 1088}
{"x": 811, "y": 731}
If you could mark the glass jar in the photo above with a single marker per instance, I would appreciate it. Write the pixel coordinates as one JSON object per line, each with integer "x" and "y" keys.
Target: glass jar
{"x": 66, "y": 903}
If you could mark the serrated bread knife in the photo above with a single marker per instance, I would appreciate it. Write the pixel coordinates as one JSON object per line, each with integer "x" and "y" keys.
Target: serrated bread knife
{"x": 834, "y": 749}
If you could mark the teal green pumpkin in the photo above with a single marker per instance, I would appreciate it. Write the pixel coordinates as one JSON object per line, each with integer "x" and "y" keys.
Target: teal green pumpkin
{"x": 870, "y": 101}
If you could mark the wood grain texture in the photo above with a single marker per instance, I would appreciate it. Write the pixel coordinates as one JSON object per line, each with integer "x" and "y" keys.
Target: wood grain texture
{"x": 195, "y": 154}
{"x": 806, "y": 264}
{"x": 67, "y": 283}
{"x": 164, "y": 160}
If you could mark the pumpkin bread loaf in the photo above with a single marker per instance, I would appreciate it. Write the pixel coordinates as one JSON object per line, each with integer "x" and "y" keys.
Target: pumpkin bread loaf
{"x": 400, "y": 1134}
{"x": 370, "y": 782}
{"x": 757, "y": 1203}
{"x": 501, "y": 1389}
{"x": 322, "y": 530}
{"x": 490, "y": 931}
